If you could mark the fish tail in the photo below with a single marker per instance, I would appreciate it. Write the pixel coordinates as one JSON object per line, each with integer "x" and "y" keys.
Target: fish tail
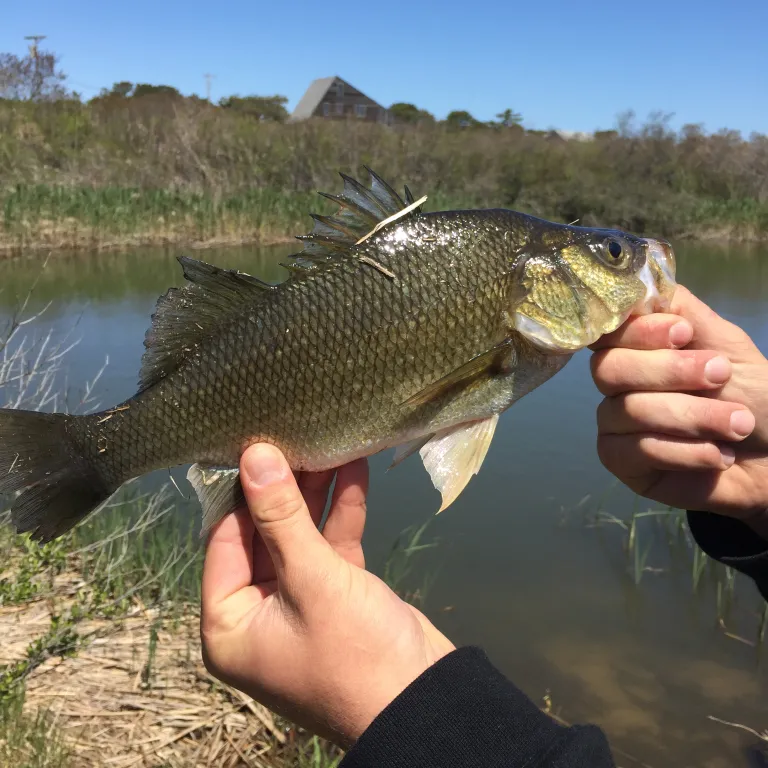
{"x": 59, "y": 485}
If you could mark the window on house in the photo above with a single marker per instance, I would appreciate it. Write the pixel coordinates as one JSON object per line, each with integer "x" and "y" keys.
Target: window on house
{"x": 339, "y": 109}
{"x": 340, "y": 90}
{"x": 326, "y": 109}
{"x": 360, "y": 110}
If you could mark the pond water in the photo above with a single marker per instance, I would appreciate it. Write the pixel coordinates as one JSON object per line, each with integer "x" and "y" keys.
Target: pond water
{"x": 521, "y": 567}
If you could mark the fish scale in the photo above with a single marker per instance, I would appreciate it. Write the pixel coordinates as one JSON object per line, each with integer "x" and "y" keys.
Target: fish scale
{"x": 416, "y": 338}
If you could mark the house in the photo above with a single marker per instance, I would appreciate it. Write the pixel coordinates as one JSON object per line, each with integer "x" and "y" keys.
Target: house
{"x": 558, "y": 135}
{"x": 334, "y": 98}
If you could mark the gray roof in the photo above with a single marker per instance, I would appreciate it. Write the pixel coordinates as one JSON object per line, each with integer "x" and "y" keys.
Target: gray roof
{"x": 312, "y": 98}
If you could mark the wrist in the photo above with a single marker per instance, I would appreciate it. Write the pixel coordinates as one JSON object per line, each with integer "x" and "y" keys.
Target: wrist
{"x": 389, "y": 684}
{"x": 758, "y": 522}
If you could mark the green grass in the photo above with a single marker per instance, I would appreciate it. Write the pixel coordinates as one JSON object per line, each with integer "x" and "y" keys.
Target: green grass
{"x": 136, "y": 172}
{"x": 137, "y": 551}
{"x": 659, "y": 542}
{"x": 40, "y": 215}
{"x": 29, "y": 741}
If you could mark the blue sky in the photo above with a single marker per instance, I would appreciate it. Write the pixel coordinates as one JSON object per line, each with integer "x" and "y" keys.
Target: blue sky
{"x": 571, "y": 65}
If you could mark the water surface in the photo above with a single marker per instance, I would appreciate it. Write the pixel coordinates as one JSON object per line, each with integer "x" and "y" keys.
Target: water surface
{"x": 520, "y": 569}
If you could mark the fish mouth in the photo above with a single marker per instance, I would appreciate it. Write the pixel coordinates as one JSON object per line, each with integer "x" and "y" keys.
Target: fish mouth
{"x": 658, "y": 276}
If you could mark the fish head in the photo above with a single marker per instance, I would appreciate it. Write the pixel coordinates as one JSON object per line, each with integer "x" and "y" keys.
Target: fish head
{"x": 576, "y": 284}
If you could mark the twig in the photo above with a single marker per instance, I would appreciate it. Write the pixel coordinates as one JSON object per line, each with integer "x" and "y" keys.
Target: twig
{"x": 375, "y": 264}
{"x": 762, "y": 736}
{"x": 393, "y": 217}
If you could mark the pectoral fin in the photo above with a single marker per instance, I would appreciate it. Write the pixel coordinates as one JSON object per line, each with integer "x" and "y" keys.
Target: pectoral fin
{"x": 402, "y": 452}
{"x": 219, "y": 491}
{"x": 495, "y": 356}
{"x": 452, "y": 456}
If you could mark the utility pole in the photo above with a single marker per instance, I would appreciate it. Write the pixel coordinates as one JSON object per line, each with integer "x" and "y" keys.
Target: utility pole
{"x": 208, "y": 79}
{"x": 38, "y": 86}
{"x": 33, "y": 45}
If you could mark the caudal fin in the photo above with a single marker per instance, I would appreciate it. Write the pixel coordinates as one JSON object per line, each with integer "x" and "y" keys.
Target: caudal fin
{"x": 59, "y": 485}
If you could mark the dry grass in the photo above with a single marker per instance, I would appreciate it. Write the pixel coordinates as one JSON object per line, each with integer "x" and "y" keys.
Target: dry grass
{"x": 139, "y": 688}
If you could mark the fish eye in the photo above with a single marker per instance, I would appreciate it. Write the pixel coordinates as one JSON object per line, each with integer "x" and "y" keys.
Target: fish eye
{"x": 614, "y": 249}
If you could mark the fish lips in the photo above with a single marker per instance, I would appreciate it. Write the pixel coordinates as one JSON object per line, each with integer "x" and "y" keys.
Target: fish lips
{"x": 658, "y": 276}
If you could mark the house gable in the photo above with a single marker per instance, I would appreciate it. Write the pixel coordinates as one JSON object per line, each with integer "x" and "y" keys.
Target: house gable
{"x": 335, "y": 98}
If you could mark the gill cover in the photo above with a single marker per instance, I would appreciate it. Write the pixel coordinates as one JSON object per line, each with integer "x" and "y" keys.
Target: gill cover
{"x": 576, "y": 294}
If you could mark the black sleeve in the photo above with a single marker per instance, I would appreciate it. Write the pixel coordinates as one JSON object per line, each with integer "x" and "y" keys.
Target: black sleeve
{"x": 463, "y": 712}
{"x": 733, "y": 543}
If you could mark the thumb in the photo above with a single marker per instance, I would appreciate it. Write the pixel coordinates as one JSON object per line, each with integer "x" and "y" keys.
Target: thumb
{"x": 710, "y": 331}
{"x": 278, "y": 510}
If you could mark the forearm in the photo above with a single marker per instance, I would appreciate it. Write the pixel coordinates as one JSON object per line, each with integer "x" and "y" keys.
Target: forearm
{"x": 462, "y": 712}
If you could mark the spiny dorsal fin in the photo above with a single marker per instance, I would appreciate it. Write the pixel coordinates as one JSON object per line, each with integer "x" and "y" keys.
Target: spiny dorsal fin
{"x": 360, "y": 210}
{"x": 185, "y": 316}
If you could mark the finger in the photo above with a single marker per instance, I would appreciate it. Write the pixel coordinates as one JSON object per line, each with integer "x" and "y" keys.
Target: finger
{"x": 661, "y": 370}
{"x": 228, "y": 564}
{"x": 710, "y": 330}
{"x": 227, "y": 594}
{"x": 314, "y": 487}
{"x": 278, "y": 511}
{"x": 346, "y": 519}
{"x": 723, "y": 492}
{"x": 674, "y": 414}
{"x": 642, "y": 456}
{"x": 656, "y": 331}
{"x": 264, "y": 573}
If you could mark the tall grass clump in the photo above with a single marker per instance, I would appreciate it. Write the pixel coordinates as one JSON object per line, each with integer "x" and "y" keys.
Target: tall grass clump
{"x": 659, "y": 541}
{"x": 30, "y": 740}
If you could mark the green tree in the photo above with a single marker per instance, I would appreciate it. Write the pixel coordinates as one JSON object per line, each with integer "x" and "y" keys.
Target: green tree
{"x": 261, "y": 107}
{"x": 403, "y": 112}
{"x": 460, "y": 118}
{"x": 509, "y": 118}
{"x": 145, "y": 89}
{"x": 122, "y": 89}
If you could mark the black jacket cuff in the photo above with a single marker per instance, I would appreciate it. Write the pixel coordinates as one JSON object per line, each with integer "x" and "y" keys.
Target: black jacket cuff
{"x": 732, "y": 543}
{"x": 462, "y": 712}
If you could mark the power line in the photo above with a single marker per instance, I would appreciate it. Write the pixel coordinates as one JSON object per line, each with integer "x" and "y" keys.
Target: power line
{"x": 208, "y": 79}
{"x": 37, "y": 85}
{"x": 33, "y": 45}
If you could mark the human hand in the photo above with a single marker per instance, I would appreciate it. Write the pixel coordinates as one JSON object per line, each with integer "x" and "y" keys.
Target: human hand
{"x": 686, "y": 427}
{"x": 289, "y": 614}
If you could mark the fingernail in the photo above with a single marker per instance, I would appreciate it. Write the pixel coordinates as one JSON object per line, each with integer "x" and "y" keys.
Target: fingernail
{"x": 727, "y": 454}
{"x": 263, "y": 465}
{"x": 718, "y": 370}
{"x": 742, "y": 423}
{"x": 680, "y": 334}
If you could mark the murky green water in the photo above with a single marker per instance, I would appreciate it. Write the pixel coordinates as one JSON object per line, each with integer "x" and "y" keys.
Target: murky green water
{"x": 520, "y": 570}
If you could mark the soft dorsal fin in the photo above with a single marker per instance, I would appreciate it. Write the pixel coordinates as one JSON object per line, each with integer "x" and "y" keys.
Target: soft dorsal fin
{"x": 185, "y": 316}
{"x": 360, "y": 210}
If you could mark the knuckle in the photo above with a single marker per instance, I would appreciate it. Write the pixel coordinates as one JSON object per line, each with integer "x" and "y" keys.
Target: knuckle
{"x": 680, "y": 368}
{"x": 604, "y": 369}
{"x": 705, "y": 415}
{"x": 283, "y": 504}
{"x": 604, "y": 415}
{"x": 648, "y": 446}
{"x": 632, "y": 404}
{"x": 709, "y": 455}
{"x": 606, "y": 451}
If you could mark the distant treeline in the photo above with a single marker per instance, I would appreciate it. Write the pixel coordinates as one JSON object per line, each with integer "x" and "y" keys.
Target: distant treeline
{"x": 139, "y": 159}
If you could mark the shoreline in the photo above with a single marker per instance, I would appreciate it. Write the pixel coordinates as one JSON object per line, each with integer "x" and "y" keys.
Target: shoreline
{"x": 16, "y": 250}
{"x": 9, "y": 251}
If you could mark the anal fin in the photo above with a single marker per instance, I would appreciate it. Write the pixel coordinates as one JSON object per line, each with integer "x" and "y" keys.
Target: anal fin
{"x": 219, "y": 492}
{"x": 453, "y": 455}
